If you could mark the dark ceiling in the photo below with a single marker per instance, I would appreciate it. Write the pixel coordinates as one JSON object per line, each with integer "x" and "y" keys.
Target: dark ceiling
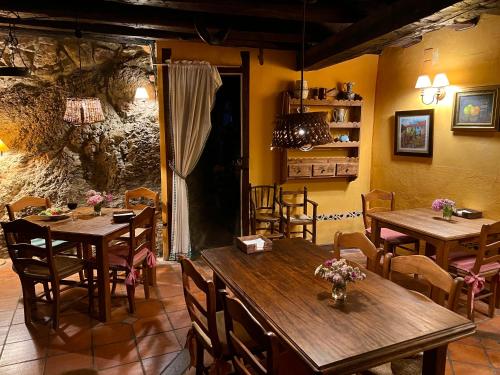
{"x": 336, "y": 30}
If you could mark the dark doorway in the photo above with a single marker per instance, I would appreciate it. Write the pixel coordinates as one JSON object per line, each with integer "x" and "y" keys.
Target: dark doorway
{"x": 215, "y": 184}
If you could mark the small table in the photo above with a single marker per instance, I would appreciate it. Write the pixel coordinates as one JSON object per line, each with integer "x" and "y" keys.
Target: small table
{"x": 91, "y": 230}
{"x": 428, "y": 225}
{"x": 379, "y": 322}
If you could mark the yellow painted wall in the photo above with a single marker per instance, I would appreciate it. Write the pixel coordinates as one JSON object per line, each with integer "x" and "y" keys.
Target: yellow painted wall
{"x": 465, "y": 167}
{"x": 266, "y": 84}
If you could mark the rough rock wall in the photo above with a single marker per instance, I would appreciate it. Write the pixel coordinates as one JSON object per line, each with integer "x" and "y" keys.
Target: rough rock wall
{"x": 49, "y": 157}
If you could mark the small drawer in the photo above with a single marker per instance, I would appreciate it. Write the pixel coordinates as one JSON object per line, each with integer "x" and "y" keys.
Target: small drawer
{"x": 347, "y": 169}
{"x": 323, "y": 169}
{"x": 299, "y": 170}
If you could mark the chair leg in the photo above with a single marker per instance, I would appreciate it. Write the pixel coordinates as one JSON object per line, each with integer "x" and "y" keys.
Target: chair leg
{"x": 470, "y": 304}
{"x": 131, "y": 297}
{"x": 46, "y": 290}
{"x": 492, "y": 298}
{"x": 304, "y": 233}
{"x": 145, "y": 280}
{"x": 314, "y": 232}
{"x": 497, "y": 297}
{"x": 114, "y": 282}
{"x": 90, "y": 282}
{"x": 55, "y": 304}
{"x": 200, "y": 351}
{"x": 79, "y": 254}
{"x": 28, "y": 299}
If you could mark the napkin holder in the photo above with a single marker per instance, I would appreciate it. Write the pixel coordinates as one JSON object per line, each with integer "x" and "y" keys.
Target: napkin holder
{"x": 123, "y": 216}
{"x": 468, "y": 213}
{"x": 241, "y": 243}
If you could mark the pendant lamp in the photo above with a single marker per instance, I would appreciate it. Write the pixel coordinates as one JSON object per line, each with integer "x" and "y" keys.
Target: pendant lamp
{"x": 81, "y": 110}
{"x": 301, "y": 130}
{"x": 12, "y": 44}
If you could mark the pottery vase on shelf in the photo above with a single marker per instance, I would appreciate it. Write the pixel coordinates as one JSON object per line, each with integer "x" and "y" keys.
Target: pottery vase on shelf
{"x": 348, "y": 90}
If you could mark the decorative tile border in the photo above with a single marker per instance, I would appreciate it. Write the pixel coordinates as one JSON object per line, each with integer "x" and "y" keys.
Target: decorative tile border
{"x": 340, "y": 216}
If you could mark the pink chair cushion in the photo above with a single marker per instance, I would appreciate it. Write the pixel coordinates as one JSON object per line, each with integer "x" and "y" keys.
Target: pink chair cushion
{"x": 391, "y": 235}
{"x": 118, "y": 255}
{"x": 455, "y": 255}
{"x": 465, "y": 264}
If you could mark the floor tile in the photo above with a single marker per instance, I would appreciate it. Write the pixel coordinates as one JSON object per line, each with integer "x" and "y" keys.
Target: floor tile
{"x": 179, "y": 319}
{"x": 111, "y": 333}
{"x": 23, "y": 351}
{"x": 181, "y": 335}
{"x": 494, "y": 356}
{"x": 155, "y": 365}
{"x": 149, "y": 308}
{"x": 175, "y": 303}
{"x": 26, "y": 368}
{"x": 21, "y": 332}
{"x": 469, "y": 369}
{"x": 115, "y": 354}
{"x": 161, "y": 343}
{"x": 6, "y": 317}
{"x": 128, "y": 369}
{"x": 61, "y": 364}
{"x": 467, "y": 354}
{"x": 152, "y": 325}
{"x": 61, "y": 343}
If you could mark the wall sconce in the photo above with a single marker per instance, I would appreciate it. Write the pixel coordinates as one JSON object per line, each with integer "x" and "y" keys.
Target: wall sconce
{"x": 141, "y": 94}
{"x": 432, "y": 92}
{"x": 3, "y": 147}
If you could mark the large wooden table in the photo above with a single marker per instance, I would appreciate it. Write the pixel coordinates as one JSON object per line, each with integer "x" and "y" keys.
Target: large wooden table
{"x": 91, "y": 230}
{"x": 380, "y": 321}
{"x": 428, "y": 225}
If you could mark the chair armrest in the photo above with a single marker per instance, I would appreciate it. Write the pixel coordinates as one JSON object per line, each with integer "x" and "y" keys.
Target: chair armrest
{"x": 312, "y": 202}
{"x": 287, "y": 204}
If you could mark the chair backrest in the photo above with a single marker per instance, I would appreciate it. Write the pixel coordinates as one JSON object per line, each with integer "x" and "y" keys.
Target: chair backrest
{"x": 298, "y": 198}
{"x": 435, "y": 276}
{"x": 24, "y": 255}
{"x": 374, "y": 201}
{"x": 356, "y": 240}
{"x": 489, "y": 246}
{"x": 263, "y": 197}
{"x": 139, "y": 240}
{"x": 203, "y": 318}
{"x": 24, "y": 203}
{"x": 140, "y": 194}
{"x": 236, "y": 313}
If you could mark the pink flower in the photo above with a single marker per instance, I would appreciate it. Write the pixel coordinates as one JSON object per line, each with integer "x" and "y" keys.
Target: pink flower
{"x": 440, "y": 203}
{"x": 328, "y": 263}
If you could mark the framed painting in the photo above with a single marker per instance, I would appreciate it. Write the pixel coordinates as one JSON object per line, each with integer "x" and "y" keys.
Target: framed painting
{"x": 476, "y": 108}
{"x": 413, "y": 134}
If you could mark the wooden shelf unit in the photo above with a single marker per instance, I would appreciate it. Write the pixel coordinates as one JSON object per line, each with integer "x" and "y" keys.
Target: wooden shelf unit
{"x": 305, "y": 167}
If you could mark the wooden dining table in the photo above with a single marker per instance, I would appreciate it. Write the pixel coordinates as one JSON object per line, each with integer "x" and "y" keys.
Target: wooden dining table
{"x": 380, "y": 321}
{"x": 88, "y": 229}
{"x": 428, "y": 225}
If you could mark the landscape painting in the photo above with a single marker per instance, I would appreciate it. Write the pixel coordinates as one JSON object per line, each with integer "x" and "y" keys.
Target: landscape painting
{"x": 414, "y": 133}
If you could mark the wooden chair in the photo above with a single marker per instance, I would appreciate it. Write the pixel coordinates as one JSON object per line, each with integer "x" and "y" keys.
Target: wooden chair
{"x": 38, "y": 264}
{"x": 263, "y": 215}
{"x": 482, "y": 267}
{"x": 358, "y": 248}
{"x": 290, "y": 201}
{"x": 391, "y": 238}
{"x": 266, "y": 356}
{"x": 133, "y": 254}
{"x": 58, "y": 246}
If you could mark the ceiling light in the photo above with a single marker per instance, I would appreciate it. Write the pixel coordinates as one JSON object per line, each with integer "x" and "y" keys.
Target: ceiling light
{"x": 141, "y": 94}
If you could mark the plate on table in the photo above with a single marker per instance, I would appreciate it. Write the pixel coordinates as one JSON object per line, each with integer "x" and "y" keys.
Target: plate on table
{"x": 52, "y": 217}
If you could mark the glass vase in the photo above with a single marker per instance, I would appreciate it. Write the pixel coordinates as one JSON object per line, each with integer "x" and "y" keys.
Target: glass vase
{"x": 447, "y": 212}
{"x": 339, "y": 292}
{"x": 97, "y": 210}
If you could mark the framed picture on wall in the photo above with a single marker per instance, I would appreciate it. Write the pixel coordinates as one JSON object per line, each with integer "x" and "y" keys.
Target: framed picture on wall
{"x": 476, "y": 108}
{"x": 413, "y": 134}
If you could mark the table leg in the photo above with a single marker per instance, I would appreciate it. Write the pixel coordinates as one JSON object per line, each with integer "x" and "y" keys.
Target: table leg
{"x": 375, "y": 227}
{"x": 103, "y": 280}
{"x": 219, "y": 284}
{"x": 435, "y": 361}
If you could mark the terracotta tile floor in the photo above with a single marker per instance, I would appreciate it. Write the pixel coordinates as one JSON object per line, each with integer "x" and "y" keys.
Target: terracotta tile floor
{"x": 149, "y": 341}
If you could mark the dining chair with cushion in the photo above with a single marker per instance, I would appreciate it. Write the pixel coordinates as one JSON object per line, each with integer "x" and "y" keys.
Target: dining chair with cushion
{"x": 481, "y": 270}
{"x": 134, "y": 254}
{"x": 289, "y": 203}
{"x": 38, "y": 264}
{"x": 263, "y": 213}
{"x": 379, "y": 200}
{"x": 358, "y": 248}
{"x": 30, "y": 205}
{"x": 267, "y": 356}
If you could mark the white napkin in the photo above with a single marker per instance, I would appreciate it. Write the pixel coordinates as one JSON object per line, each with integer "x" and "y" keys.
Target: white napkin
{"x": 258, "y": 242}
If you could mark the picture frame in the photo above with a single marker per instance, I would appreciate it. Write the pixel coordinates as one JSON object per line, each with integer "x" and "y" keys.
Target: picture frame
{"x": 476, "y": 109}
{"x": 414, "y": 133}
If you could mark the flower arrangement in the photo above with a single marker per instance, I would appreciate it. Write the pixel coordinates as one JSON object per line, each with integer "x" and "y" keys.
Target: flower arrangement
{"x": 445, "y": 204}
{"x": 97, "y": 199}
{"x": 339, "y": 272}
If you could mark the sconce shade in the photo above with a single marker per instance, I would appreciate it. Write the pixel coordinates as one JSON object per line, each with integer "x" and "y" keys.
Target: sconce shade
{"x": 440, "y": 80}
{"x": 3, "y": 147}
{"x": 141, "y": 94}
{"x": 83, "y": 111}
{"x": 301, "y": 130}
{"x": 423, "y": 81}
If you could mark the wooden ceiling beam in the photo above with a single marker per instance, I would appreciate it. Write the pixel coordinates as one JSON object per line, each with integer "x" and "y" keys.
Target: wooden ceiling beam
{"x": 402, "y": 19}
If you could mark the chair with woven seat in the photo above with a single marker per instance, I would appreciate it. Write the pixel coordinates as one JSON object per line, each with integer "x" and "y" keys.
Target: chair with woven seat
{"x": 38, "y": 264}
{"x": 134, "y": 254}
{"x": 358, "y": 248}
{"x": 482, "y": 267}
{"x": 267, "y": 356}
{"x": 263, "y": 215}
{"x": 379, "y": 200}
{"x": 290, "y": 201}
{"x": 140, "y": 198}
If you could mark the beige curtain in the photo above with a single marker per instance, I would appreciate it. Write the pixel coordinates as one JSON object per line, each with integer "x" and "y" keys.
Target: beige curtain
{"x": 192, "y": 88}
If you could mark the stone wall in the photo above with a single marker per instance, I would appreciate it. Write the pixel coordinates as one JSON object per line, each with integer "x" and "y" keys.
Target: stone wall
{"x": 49, "y": 157}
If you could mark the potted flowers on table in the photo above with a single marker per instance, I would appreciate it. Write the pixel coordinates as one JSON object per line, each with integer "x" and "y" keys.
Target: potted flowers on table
{"x": 445, "y": 204}
{"x": 339, "y": 273}
{"x": 97, "y": 200}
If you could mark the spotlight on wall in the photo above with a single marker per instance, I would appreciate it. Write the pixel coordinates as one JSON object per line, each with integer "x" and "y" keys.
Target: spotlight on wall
{"x": 432, "y": 92}
{"x": 3, "y": 147}
{"x": 141, "y": 94}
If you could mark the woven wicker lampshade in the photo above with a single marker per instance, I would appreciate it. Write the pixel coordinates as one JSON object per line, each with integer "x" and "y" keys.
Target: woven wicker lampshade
{"x": 81, "y": 111}
{"x": 301, "y": 131}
